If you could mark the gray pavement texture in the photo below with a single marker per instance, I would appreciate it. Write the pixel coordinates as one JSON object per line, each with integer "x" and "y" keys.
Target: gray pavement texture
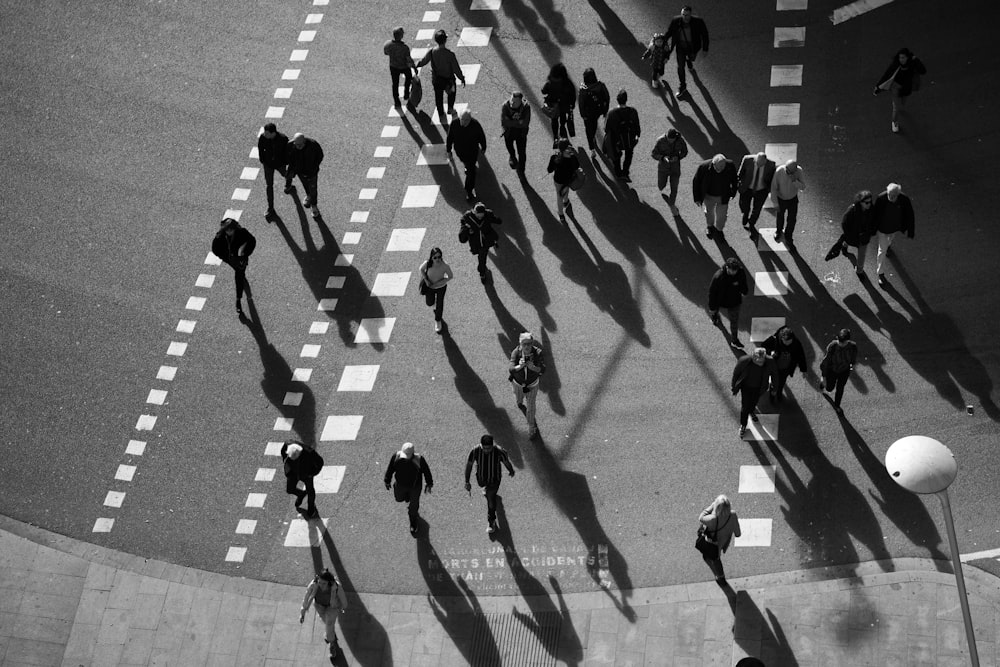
{"x": 65, "y": 602}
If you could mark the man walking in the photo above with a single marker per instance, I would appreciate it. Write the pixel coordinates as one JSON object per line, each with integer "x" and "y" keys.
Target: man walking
{"x": 487, "y": 458}
{"x": 304, "y": 158}
{"x": 477, "y": 227}
{"x": 668, "y": 152}
{"x": 444, "y": 70}
{"x": 272, "y": 151}
{"x": 411, "y": 472}
{"x": 751, "y": 377}
{"x": 754, "y": 183}
{"x": 892, "y": 213}
{"x": 788, "y": 181}
{"x": 515, "y": 116}
{"x": 728, "y": 286}
{"x": 466, "y": 136}
{"x": 301, "y": 464}
{"x": 687, "y": 35}
{"x": 234, "y": 245}
{"x": 713, "y": 186}
{"x": 400, "y": 63}
{"x": 621, "y": 132}
{"x": 527, "y": 365}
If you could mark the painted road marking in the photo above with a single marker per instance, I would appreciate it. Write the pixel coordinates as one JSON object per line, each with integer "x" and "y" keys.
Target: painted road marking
{"x": 756, "y": 533}
{"x": 757, "y": 479}
{"x": 166, "y": 373}
{"x": 459, "y": 108}
{"x": 185, "y": 326}
{"x": 249, "y": 173}
{"x": 351, "y": 238}
{"x": 770, "y": 283}
{"x": 383, "y": 151}
{"x": 282, "y": 93}
{"x": 425, "y": 35}
{"x": 786, "y": 75}
{"x": 114, "y": 499}
{"x": 791, "y": 5}
{"x": 273, "y": 448}
{"x": 390, "y": 284}
{"x": 374, "y": 330}
{"x": 283, "y": 423}
{"x": 135, "y": 448}
{"x": 765, "y": 430}
{"x": 195, "y": 303}
{"x": 431, "y": 16}
{"x": 486, "y": 4}
{"x": 420, "y": 196}
{"x": 205, "y": 280}
{"x": 781, "y": 153}
{"x": 358, "y": 378}
{"x": 156, "y": 396}
{"x": 327, "y": 305}
{"x": 471, "y": 73}
{"x": 977, "y": 555}
{"x": 390, "y": 131}
{"x": 246, "y": 527}
{"x": 145, "y": 423}
{"x": 359, "y": 216}
{"x": 236, "y": 554}
{"x": 783, "y": 114}
{"x": 319, "y": 327}
{"x": 255, "y": 499}
{"x": 335, "y": 282}
{"x": 289, "y": 75}
{"x": 474, "y": 37}
{"x": 329, "y": 479}
{"x": 846, "y": 12}
{"x": 241, "y": 194}
{"x": 301, "y": 374}
{"x": 418, "y": 52}
{"x": 344, "y": 260}
{"x": 103, "y": 525}
{"x": 432, "y": 154}
{"x": 177, "y": 349}
{"x": 274, "y": 112}
{"x": 765, "y": 240}
{"x": 341, "y": 427}
{"x": 762, "y": 327}
{"x": 789, "y": 37}
{"x": 307, "y": 35}
{"x": 314, "y": 18}
{"x": 213, "y": 260}
{"x": 125, "y": 473}
{"x": 310, "y": 350}
{"x": 367, "y": 193}
{"x": 302, "y": 533}
{"x": 375, "y": 172}
{"x": 298, "y": 55}
{"x": 264, "y": 475}
{"x": 293, "y": 398}
{"x": 234, "y": 213}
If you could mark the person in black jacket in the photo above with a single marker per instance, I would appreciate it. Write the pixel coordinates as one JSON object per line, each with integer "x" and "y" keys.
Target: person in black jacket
{"x": 621, "y": 134}
{"x": 301, "y": 464}
{"x": 304, "y": 158}
{"x": 892, "y": 212}
{"x": 751, "y": 376}
{"x": 901, "y": 78}
{"x": 857, "y": 226}
{"x": 787, "y": 353}
{"x": 715, "y": 182}
{"x": 444, "y": 70}
{"x": 466, "y": 136}
{"x": 412, "y": 473}
{"x": 688, "y": 35}
{"x": 563, "y": 166}
{"x": 728, "y": 286}
{"x": 477, "y": 228}
{"x": 515, "y": 117}
{"x": 272, "y": 151}
{"x": 234, "y": 245}
{"x": 559, "y": 93}
{"x": 594, "y": 101}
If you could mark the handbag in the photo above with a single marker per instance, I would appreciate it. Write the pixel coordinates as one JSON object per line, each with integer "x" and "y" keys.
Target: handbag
{"x": 550, "y": 111}
{"x": 423, "y": 289}
{"x": 463, "y": 234}
{"x": 709, "y": 550}
{"x": 416, "y": 92}
{"x": 579, "y": 178}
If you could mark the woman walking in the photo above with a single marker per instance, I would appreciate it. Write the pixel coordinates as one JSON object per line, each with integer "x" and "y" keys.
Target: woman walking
{"x": 560, "y": 94}
{"x": 719, "y": 524}
{"x": 327, "y": 596}
{"x": 901, "y": 78}
{"x": 563, "y": 167}
{"x": 837, "y": 365}
{"x": 594, "y": 100}
{"x": 435, "y": 274}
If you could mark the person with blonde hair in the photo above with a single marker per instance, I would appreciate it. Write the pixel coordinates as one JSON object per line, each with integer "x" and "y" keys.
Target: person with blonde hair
{"x": 719, "y": 524}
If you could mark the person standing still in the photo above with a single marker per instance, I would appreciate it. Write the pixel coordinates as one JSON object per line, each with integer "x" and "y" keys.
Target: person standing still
{"x": 720, "y": 524}
{"x": 327, "y": 597}
{"x": 688, "y": 35}
{"x": 304, "y": 157}
{"x": 272, "y": 151}
{"x": 400, "y": 64}
{"x": 621, "y": 134}
{"x": 412, "y": 473}
{"x": 727, "y": 289}
{"x": 754, "y": 179}
{"x": 594, "y": 101}
{"x": 487, "y": 457}
{"x": 515, "y": 117}
{"x": 466, "y": 136}
{"x": 444, "y": 70}
{"x": 786, "y": 185}
{"x": 563, "y": 166}
{"x": 837, "y": 366}
{"x": 301, "y": 464}
{"x": 435, "y": 274}
{"x": 234, "y": 245}
{"x": 901, "y": 79}
{"x": 527, "y": 365}
{"x": 714, "y": 184}
{"x": 668, "y": 152}
{"x": 751, "y": 377}
{"x": 891, "y": 213}
{"x": 477, "y": 228}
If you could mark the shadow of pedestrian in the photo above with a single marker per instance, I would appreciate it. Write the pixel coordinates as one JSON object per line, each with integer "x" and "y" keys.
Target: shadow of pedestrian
{"x": 429, "y": 133}
{"x": 763, "y": 639}
{"x": 721, "y": 137}
{"x": 621, "y": 39}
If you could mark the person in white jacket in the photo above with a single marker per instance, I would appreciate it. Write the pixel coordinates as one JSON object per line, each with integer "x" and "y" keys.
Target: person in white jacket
{"x": 786, "y": 185}
{"x": 327, "y": 596}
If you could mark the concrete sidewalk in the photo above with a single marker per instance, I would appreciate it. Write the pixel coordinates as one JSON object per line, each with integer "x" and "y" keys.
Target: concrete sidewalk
{"x": 64, "y": 602}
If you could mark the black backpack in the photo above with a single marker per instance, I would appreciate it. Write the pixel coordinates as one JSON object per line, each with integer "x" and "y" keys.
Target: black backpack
{"x": 313, "y": 463}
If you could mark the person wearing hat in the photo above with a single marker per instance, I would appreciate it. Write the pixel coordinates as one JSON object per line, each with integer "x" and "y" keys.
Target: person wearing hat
{"x": 301, "y": 464}
{"x": 234, "y": 245}
{"x": 477, "y": 228}
{"x": 467, "y": 137}
{"x": 527, "y": 364}
{"x": 487, "y": 457}
{"x": 304, "y": 158}
{"x": 411, "y": 472}
{"x": 327, "y": 597}
{"x": 668, "y": 152}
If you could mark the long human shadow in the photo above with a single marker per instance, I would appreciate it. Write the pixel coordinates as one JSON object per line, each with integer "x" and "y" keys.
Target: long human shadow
{"x": 697, "y": 140}
{"x": 567, "y": 647}
{"x": 428, "y": 132}
{"x": 624, "y": 42}
{"x": 721, "y": 136}
{"x": 571, "y": 493}
{"x": 455, "y": 606}
{"x": 525, "y": 19}
{"x": 475, "y": 393}
{"x": 277, "y": 382}
{"x": 752, "y": 631}
{"x": 611, "y": 197}
{"x": 364, "y": 635}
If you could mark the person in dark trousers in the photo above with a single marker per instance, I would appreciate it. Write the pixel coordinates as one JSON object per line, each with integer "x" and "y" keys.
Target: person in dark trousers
{"x": 563, "y": 166}
{"x": 466, "y": 137}
{"x": 301, "y": 464}
{"x": 668, "y": 152}
{"x": 785, "y": 349}
{"x": 327, "y": 597}
{"x": 527, "y": 365}
{"x": 444, "y": 70}
{"x": 412, "y": 474}
{"x": 688, "y": 35}
{"x": 720, "y": 524}
{"x": 559, "y": 93}
{"x": 713, "y": 185}
{"x": 621, "y": 134}
{"x": 892, "y": 213}
{"x": 594, "y": 101}
{"x": 400, "y": 64}
{"x": 857, "y": 228}
{"x": 487, "y": 458}
{"x": 234, "y": 245}
{"x": 786, "y": 185}
{"x": 477, "y": 228}
{"x": 304, "y": 157}
{"x": 752, "y": 376}
{"x": 657, "y": 53}
{"x": 837, "y": 366}
{"x": 272, "y": 151}
{"x": 515, "y": 117}
{"x": 901, "y": 78}
{"x": 435, "y": 274}
{"x": 753, "y": 182}
{"x": 727, "y": 289}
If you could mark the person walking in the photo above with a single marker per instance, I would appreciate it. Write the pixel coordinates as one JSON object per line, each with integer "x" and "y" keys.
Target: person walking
{"x": 527, "y": 365}
{"x": 657, "y": 53}
{"x": 727, "y": 289}
{"x": 400, "y": 64}
{"x": 444, "y": 70}
{"x": 621, "y": 134}
{"x": 487, "y": 457}
{"x": 753, "y": 182}
{"x": 856, "y": 227}
{"x": 900, "y": 78}
{"x": 412, "y": 474}
{"x": 752, "y": 376}
{"x": 668, "y": 152}
{"x": 559, "y": 94}
{"x": 301, "y": 464}
{"x": 515, "y": 117}
{"x": 466, "y": 136}
{"x": 892, "y": 213}
{"x": 687, "y": 35}
{"x": 786, "y": 185}
{"x": 477, "y": 229}
{"x": 327, "y": 597}
{"x": 272, "y": 151}
{"x": 714, "y": 184}
{"x": 720, "y": 525}
{"x": 563, "y": 166}
{"x": 435, "y": 274}
{"x": 787, "y": 353}
{"x": 234, "y": 245}
{"x": 304, "y": 157}
{"x": 837, "y": 365}
{"x": 594, "y": 101}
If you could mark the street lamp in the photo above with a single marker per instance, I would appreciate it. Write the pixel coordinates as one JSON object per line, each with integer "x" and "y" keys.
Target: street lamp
{"x": 923, "y": 465}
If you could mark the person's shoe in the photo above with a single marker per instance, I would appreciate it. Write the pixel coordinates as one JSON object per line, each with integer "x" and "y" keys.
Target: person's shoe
{"x": 746, "y": 224}
{"x": 437, "y": 326}
{"x": 512, "y": 163}
{"x": 414, "y": 529}
{"x": 289, "y": 189}
{"x": 333, "y": 651}
{"x": 239, "y": 307}
{"x": 655, "y": 83}
{"x": 778, "y": 237}
{"x": 835, "y": 252}
{"x": 316, "y": 214}
{"x": 881, "y": 280}
{"x": 737, "y": 343}
{"x": 522, "y": 408}
{"x": 709, "y": 231}
{"x": 492, "y": 528}
{"x": 270, "y": 213}
{"x": 680, "y": 93}
{"x": 452, "y": 112}
{"x": 298, "y": 500}
{"x": 743, "y": 431}
{"x": 754, "y": 417}
{"x": 895, "y": 127}
{"x": 562, "y": 218}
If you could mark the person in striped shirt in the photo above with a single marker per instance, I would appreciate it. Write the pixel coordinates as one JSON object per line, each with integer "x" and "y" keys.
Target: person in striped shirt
{"x": 487, "y": 458}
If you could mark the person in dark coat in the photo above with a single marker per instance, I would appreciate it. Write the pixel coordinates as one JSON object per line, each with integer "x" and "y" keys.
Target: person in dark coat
{"x": 837, "y": 366}
{"x": 234, "y": 245}
{"x": 444, "y": 70}
{"x": 477, "y": 228}
{"x": 515, "y": 117}
{"x": 901, "y": 78}
{"x": 668, "y": 152}
{"x": 559, "y": 93}
{"x": 687, "y": 35}
{"x": 751, "y": 377}
{"x": 715, "y": 183}
{"x": 621, "y": 134}
{"x": 594, "y": 100}
{"x": 728, "y": 286}
{"x": 411, "y": 472}
{"x": 857, "y": 228}
{"x": 785, "y": 349}
{"x": 301, "y": 464}
{"x": 892, "y": 213}
{"x": 304, "y": 157}
{"x": 563, "y": 166}
{"x": 466, "y": 137}
{"x": 272, "y": 151}
{"x": 754, "y": 183}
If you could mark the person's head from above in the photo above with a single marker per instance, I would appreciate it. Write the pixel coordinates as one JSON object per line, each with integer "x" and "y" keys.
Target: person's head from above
{"x": 892, "y": 191}
{"x": 719, "y": 162}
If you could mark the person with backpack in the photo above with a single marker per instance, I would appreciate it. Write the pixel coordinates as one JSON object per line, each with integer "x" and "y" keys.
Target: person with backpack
{"x": 527, "y": 365}
{"x": 594, "y": 101}
{"x": 477, "y": 230}
{"x": 444, "y": 70}
{"x": 515, "y": 117}
{"x": 411, "y": 472}
{"x": 234, "y": 245}
{"x": 621, "y": 134}
{"x": 327, "y": 597}
{"x": 559, "y": 95}
{"x": 301, "y": 464}
{"x": 668, "y": 152}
